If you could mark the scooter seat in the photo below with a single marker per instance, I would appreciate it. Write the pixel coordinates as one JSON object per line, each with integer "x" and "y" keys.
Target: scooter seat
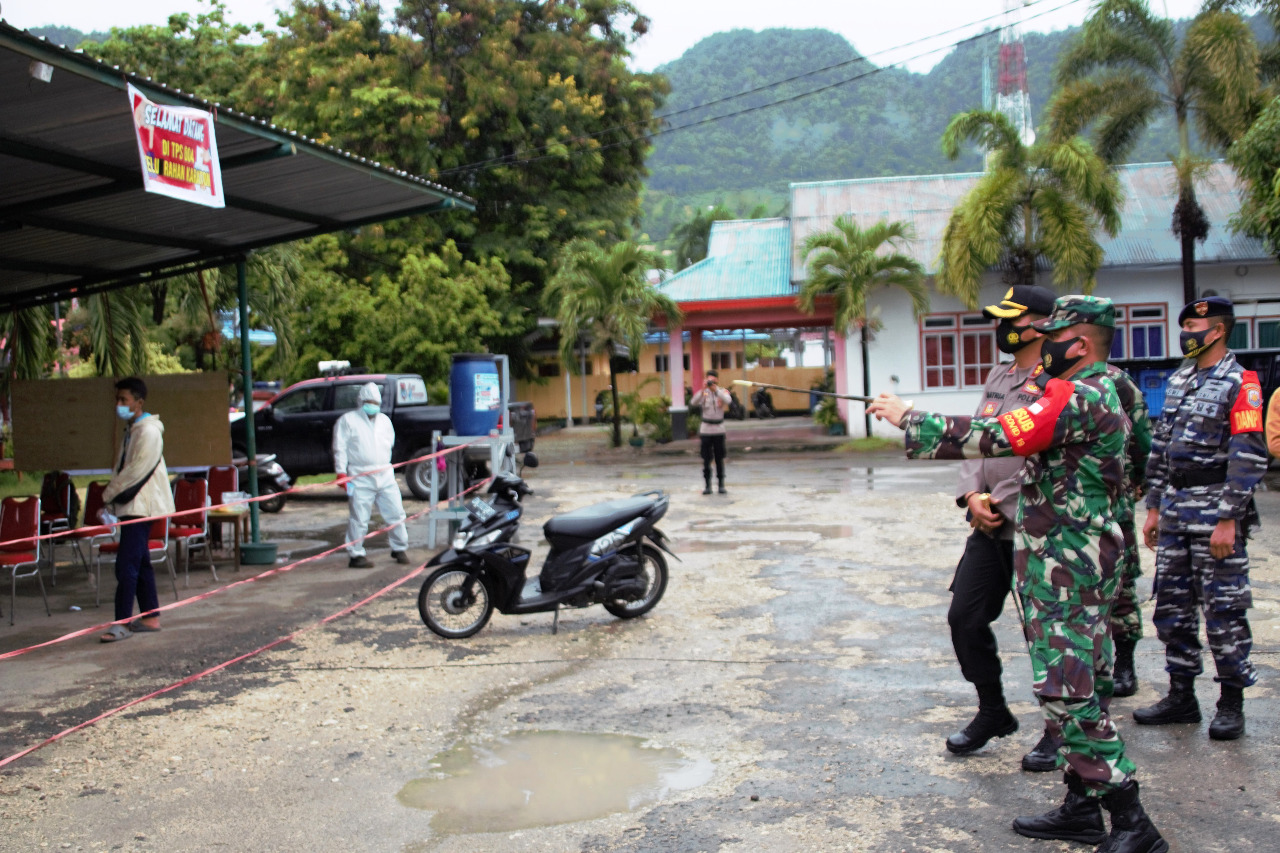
{"x": 592, "y": 522}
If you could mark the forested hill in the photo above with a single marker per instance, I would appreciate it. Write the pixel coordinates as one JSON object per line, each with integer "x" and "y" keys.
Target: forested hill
{"x": 886, "y": 122}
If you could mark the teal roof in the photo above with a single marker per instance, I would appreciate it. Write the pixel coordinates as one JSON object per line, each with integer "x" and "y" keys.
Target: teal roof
{"x": 1145, "y": 239}
{"x": 746, "y": 259}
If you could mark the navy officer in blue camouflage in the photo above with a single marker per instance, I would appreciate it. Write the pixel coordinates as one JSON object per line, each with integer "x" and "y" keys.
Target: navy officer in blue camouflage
{"x": 1207, "y": 455}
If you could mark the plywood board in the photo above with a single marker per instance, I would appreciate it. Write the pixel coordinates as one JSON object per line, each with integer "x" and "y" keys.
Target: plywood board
{"x": 71, "y": 424}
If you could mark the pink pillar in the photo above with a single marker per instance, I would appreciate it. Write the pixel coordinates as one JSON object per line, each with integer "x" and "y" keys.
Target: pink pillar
{"x": 696, "y": 365}
{"x": 675, "y": 357}
{"x": 842, "y": 375}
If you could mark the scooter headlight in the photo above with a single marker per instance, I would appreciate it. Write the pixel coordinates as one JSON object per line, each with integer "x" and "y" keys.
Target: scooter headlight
{"x": 460, "y": 539}
{"x": 463, "y": 540}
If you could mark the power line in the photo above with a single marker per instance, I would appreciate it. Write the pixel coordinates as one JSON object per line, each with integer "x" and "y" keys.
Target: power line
{"x": 512, "y": 159}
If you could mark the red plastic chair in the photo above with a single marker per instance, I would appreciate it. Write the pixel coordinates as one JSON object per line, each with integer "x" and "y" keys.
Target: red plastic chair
{"x": 94, "y": 533}
{"x": 157, "y": 544}
{"x": 56, "y": 513}
{"x": 190, "y": 524}
{"x": 222, "y": 479}
{"x": 19, "y": 526}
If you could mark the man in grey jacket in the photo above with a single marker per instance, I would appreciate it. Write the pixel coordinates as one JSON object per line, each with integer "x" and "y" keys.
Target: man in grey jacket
{"x": 988, "y": 488}
{"x": 712, "y": 402}
{"x": 138, "y": 489}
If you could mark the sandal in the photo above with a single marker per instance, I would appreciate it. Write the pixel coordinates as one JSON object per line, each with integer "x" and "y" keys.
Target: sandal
{"x": 116, "y": 633}
{"x": 137, "y": 626}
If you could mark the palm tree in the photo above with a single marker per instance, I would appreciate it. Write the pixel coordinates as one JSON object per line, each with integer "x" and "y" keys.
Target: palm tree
{"x": 1039, "y": 202}
{"x": 603, "y": 294}
{"x": 1127, "y": 64}
{"x": 847, "y": 262}
{"x": 695, "y": 235}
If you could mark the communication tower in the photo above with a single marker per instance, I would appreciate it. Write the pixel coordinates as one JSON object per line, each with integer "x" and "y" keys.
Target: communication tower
{"x": 1013, "y": 98}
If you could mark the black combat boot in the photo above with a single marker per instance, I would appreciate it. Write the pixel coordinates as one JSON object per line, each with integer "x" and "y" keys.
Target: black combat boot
{"x": 1079, "y": 818}
{"x": 992, "y": 720}
{"x": 722, "y": 491}
{"x": 1043, "y": 757}
{"x": 1228, "y": 723}
{"x": 1126, "y": 679}
{"x": 1180, "y": 706}
{"x": 707, "y": 489}
{"x": 1131, "y": 829}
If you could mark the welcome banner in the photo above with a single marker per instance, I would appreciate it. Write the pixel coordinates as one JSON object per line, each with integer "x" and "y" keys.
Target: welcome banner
{"x": 178, "y": 151}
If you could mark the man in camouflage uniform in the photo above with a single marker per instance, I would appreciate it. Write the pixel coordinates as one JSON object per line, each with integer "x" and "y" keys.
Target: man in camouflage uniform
{"x": 1069, "y": 550}
{"x": 1126, "y": 613}
{"x": 1208, "y": 455}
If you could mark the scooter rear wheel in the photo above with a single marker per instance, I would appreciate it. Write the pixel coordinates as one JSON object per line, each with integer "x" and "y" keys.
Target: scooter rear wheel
{"x": 654, "y": 566}
{"x": 454, "y": 603}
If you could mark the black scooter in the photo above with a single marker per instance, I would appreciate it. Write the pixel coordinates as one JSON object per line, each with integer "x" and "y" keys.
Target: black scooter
{"x": 272, "y": 480}
{"x": 598, "y": 556}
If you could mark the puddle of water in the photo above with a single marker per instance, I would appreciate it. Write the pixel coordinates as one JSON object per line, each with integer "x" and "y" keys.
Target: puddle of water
{"x": 543, "y": 778}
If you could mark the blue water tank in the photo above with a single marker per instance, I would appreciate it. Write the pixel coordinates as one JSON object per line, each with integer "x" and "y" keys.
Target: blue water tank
{"x": 475, "y": 393}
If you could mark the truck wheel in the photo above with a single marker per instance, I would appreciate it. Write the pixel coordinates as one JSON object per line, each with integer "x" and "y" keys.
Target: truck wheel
{"x": 418, "y": 477}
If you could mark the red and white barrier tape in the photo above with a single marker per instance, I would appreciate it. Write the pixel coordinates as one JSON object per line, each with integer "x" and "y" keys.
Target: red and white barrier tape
{"x": 276, "y": 570}
{"x": 199, "y": 675}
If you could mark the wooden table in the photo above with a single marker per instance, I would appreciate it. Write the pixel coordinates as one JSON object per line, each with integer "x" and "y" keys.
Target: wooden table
{"x": 239, "y": 522}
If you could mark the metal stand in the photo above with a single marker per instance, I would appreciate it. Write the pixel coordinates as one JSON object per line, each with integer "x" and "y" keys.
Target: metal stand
{"x": 501, "y": 446}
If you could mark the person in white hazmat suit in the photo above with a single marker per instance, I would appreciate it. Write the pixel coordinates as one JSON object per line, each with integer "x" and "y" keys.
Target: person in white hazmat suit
{"x": 362, "y": 442}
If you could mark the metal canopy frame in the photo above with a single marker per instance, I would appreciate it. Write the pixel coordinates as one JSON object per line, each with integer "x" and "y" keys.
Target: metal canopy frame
{"x": 75, "y": 220}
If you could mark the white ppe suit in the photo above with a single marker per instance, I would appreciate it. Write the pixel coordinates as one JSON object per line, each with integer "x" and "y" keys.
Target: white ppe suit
{"x": 362, "y": 444}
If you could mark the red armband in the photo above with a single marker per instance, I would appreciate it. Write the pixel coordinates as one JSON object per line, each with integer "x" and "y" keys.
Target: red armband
{"x": 1030, "y": 430}
{"x": 1246, "y": 414}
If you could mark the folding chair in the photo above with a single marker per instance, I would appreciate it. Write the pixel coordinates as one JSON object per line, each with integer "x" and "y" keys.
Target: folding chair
{"x": 190, "y": 523}
{"x": 56, "y": 490}
{"x": 222, "y": 479}
{"x": 157, "y": 544}
{"x": 19, "y": 526}
{"x": 94, "y": 532}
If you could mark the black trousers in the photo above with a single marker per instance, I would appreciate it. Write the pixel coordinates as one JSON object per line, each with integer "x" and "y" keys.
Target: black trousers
{"x": 981, "y": 584}
{"x": 713, "y": 447}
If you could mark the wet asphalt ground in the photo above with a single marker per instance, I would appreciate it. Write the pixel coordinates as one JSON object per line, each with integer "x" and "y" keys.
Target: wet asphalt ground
{"x": 801, "y": 652}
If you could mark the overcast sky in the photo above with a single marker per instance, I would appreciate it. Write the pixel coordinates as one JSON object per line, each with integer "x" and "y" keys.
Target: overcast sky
{"x": 874, "y": 27}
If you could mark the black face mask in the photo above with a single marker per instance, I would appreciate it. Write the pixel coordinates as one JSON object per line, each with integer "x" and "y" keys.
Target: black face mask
{"x": 1053, "y": 355}
{"x": 1009, "y": 337}
{"x": 1193, "y": 343}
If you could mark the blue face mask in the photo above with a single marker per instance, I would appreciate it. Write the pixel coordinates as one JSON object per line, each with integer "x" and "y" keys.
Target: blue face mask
{"x": 124, "y": 413}
{"x": 371, "y": 409}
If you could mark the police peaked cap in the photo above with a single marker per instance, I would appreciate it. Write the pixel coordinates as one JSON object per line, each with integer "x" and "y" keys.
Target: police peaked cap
{"x": 1210, "y": 306}
{"x": 1021, "y": 299}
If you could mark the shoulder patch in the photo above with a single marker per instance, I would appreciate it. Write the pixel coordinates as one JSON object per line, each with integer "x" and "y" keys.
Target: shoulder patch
{"x": 1030, "y": 429}
{"x": 1246, "y": 414}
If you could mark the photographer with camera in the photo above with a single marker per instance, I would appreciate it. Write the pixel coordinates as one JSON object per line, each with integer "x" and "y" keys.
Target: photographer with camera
{"x": 712, "y": 401}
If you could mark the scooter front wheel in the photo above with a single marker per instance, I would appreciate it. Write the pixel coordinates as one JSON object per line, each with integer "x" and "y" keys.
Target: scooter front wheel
{"x": 454, "y": 603}
{"x": 653, "y": 568}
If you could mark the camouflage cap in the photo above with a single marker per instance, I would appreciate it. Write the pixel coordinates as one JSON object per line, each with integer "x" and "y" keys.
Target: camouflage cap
{"x": 1072, "y": 310}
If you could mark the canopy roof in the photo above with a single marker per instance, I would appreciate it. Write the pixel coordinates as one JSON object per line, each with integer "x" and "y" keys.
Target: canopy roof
{"x": 74, "y": 218}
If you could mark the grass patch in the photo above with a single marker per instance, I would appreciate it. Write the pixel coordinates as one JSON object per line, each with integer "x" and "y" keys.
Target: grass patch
{"x": 871, "y": 444}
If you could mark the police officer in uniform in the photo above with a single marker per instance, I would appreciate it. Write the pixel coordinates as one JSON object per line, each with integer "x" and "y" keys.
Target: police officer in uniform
{"x": 1207, "y": 456}
{"x": 988, "y": 489}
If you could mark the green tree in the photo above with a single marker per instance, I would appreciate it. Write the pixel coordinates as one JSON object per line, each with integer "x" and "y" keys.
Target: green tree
{"x": 847, "y": 262}
{"x": 529, "y": 108}
{"x": 202, "y": 54}
{"x": 1256, "y": 159}
{"x": 1034, "y": 202}
{"x": 601, "y": 294}
{"x": 408, "y": 318}
{"x": 1127, "y": 65}
{"x": 694, "y": 236}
